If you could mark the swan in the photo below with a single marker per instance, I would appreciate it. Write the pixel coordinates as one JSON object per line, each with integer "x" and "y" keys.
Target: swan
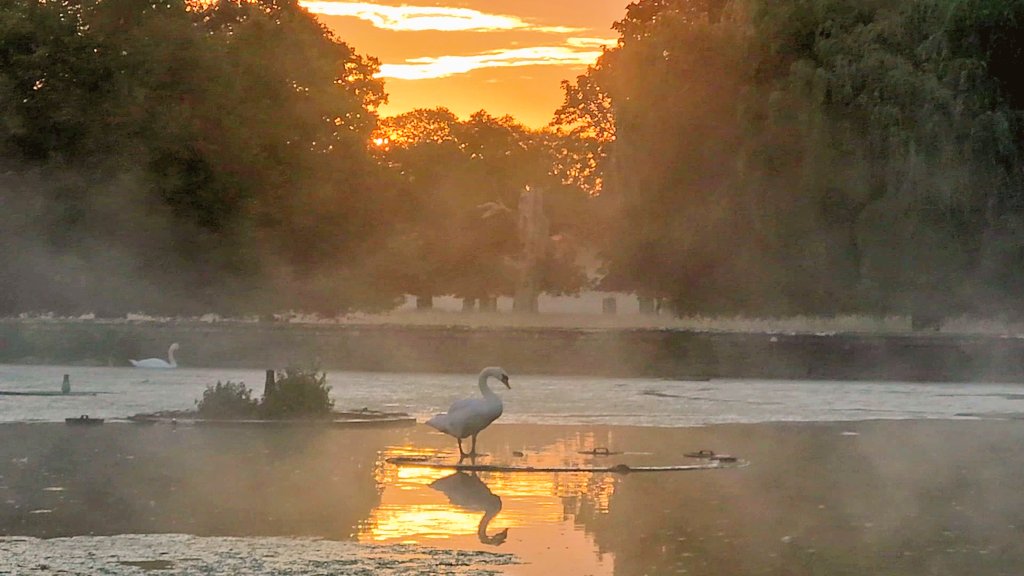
{"x": 467, "y": 417}
{"x": 469, "y": 492}
{"x": 158, "y": 362}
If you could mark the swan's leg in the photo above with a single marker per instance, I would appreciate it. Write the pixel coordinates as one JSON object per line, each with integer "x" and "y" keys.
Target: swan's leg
{"x": 472, "y": 451}
{"x": 462, "y": 454}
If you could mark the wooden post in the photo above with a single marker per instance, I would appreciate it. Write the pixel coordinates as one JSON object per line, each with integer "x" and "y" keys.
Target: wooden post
{"x": 65, "y": 387}
{"x": 425, "y": 302}
{"x": 269, "y": 385}
{"x": 468, "y": 304}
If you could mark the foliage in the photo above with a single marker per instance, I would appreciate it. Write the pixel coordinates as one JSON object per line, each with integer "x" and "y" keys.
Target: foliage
{"x": 228, "y": 400}
{"x": 216, "y": 145}
{"x": 735, "y": 156}
{"x": 816, "y": 156}
{"x": 298, "y": 393}
{"x": 461, "y": 182}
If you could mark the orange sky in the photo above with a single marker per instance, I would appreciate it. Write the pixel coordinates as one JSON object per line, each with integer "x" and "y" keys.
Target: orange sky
{"x": 502, "y": 56}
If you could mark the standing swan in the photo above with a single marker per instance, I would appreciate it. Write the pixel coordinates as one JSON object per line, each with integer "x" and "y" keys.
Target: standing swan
{"x": 469, "y": 416}
{"x": 158, "y": 362}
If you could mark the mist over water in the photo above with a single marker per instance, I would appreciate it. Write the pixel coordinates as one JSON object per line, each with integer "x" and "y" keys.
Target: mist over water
{"x": 905, "y": 497}
{"x": 533, "y": 399}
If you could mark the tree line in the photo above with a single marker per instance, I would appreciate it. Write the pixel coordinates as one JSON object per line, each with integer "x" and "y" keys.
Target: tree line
{"x": 813, "y": 156}
{"x": 728, "y": 156}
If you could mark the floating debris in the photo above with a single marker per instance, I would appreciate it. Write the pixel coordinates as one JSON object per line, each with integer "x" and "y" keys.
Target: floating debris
{"x": 710, "y": 455}
{"x": 83, "y": 420}
{"x": 617, "y": 468}
{"x": 599, "y": 451}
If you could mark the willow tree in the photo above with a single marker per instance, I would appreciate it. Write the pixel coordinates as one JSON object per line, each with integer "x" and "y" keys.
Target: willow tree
{"x": 815, "y": 156}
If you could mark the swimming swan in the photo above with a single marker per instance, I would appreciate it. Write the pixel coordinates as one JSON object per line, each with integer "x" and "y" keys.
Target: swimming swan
{"x": 469, "y": 416}
{"x": 158, "y": 362}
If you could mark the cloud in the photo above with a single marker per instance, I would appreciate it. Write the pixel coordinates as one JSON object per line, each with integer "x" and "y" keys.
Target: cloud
{"x": 420, "y": 18}
{"x": 444, "y": 66}
{"x": 591, "y": 42}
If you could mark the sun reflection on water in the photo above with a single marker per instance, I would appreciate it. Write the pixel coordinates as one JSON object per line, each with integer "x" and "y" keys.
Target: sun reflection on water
{"x": 412, "y": 511}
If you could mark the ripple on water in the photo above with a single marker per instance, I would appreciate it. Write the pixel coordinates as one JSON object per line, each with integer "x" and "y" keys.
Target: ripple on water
{"x": 177, "y": 554}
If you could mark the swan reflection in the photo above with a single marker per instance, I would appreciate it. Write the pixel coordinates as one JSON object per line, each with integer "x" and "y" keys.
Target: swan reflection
{"x": 469, "y": 492}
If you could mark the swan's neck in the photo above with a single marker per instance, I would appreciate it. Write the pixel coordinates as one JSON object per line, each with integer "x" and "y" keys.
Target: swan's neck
{"x": 489, "y": 515}
{"x": 170, "y": 356}
{"x": 485, "y": 389}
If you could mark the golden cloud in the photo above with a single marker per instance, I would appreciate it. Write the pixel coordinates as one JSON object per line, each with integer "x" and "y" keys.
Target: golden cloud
{"x": 444, "y": 66}
{"x": 419, "y": 18}
{"x": 591, "y": 42}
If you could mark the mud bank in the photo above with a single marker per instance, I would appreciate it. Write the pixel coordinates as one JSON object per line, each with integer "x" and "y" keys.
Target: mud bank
{"x": 603, "y": 352}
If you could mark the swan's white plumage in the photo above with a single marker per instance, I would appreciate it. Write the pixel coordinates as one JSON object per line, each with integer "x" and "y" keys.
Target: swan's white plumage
{"x": 467, "y": 417}
{"x": 158, "y": 362}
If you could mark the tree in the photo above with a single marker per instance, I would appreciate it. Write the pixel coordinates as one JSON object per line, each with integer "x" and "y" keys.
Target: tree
{"x": 461, "y": 183}
{"x": 811, "y": 157}
{"x": 236, "y": 131}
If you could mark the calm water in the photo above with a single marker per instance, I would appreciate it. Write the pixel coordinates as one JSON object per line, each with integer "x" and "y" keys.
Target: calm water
{"x": 533, "y": 399}
{"x": 843, "y": 478}
{"x": 882, "y": 497}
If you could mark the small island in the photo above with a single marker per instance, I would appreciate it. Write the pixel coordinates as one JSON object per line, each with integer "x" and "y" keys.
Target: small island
{"x": 294, "y": 396}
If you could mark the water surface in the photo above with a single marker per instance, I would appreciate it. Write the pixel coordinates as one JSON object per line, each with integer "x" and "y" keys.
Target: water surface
{"x": 893, "y": 497}
{"x": 533, "y": 399}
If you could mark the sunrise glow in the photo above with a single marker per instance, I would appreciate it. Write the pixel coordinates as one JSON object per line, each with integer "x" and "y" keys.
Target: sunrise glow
{"x": 419, "y": 18}
{"x": 507, "y": 57}
{"x": 444, "y": 66}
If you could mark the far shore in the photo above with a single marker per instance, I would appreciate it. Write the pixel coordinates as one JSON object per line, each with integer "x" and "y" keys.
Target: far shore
{"x": 651, "y": 351}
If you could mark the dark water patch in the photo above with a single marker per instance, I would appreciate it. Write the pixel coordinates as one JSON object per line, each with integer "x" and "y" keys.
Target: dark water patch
{"x": 993, "y": 415}
{"x": 659, "y": 394}
{"x": 149, "y": 564}
{"x": 1003, "y": 395}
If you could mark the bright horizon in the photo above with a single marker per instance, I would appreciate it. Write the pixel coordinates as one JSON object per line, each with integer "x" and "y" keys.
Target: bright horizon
{"x": 502, "y": 56}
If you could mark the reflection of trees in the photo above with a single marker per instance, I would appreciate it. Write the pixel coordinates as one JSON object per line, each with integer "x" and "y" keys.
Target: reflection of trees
{"x": 469, "y": 492}
{"x": 900, "y": 498}
{"x": 226, "y": 482}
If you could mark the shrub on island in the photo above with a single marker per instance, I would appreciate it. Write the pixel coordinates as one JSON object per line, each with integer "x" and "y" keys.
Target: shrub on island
{"x": 227, "y": 400}
{"x": 295, "y": 393}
